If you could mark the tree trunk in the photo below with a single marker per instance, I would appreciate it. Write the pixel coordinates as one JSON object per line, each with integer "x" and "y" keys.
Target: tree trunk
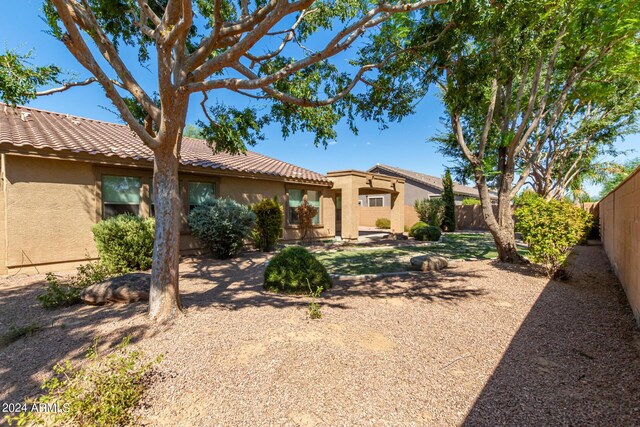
{"x": 502, "y": 228}
{"x": 164, "y": 297}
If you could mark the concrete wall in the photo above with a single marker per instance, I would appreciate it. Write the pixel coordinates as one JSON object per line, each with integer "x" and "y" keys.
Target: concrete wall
{"x": 620, "y": 234}
{"x": 48, "y": 206}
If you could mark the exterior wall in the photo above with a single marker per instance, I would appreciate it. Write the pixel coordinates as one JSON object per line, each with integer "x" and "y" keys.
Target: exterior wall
{"x": 410, "y": 216}
{"x": 48, "y": 206}
{"x": 620, "y": 234}
{"x": 368, "y": 216}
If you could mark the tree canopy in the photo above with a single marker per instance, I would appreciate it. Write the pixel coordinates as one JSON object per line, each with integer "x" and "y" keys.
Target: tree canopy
{"x": 511, "y": 73}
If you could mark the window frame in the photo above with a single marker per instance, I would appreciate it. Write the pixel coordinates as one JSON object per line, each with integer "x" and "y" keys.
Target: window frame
{"x": 187, "y": 189}
{"x": 116, "y": 174}
{"x": 369, "y": 198}
{"x": 305, "y": 192}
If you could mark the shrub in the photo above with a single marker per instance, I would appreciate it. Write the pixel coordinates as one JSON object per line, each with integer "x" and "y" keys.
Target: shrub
{"x": 383, "y": 223}
{"x": 306, "y": 213}
{"x": 429, "y": 232}
{"x": 430, "y": 211}
{"x": 470, "y": 201}
{"x": 102, "y": 393}
{"x": 125, "y": 242}
{"x": 221, "y": 225}
{"x": 269, "y": 214}
{"x": 415, "y": 226}
{"x": 449, "y": 201}
{"x": 296, "y": 270}
{"x": 64, "y": 294}
{"x": 551, "y": 229}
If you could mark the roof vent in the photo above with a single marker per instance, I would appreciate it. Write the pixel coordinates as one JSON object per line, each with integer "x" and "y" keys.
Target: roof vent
{"x": 24, "y": 116}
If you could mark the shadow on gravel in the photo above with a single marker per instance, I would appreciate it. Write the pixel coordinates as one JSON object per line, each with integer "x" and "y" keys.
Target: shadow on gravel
{"x": 238, "y": 284}
{"x": 64, "y": 334}
{"x": 575, "y": 359}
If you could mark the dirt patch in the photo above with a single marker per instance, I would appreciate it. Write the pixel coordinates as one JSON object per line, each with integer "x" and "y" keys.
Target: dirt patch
{"x": 477, "y": 344}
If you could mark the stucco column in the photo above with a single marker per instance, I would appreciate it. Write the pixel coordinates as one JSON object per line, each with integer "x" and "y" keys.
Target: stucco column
{"x": 397, "y": 209}
{"x": 350, "y": 210}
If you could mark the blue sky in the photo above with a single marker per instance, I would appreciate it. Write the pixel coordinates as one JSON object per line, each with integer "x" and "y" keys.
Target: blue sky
{"x": 403, "y": 144}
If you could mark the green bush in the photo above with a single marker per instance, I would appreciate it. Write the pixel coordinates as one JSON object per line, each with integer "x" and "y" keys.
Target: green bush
{"x": 430, "y": 211}
{"x": 429, "y": 232}
{"x": 296, "y": 270}
{"x": 269, "y": 215}
{"x": 470, "y": 201}
{"x": 221, "y": 225}
{"x": 383, "y": 223}
{"x": 125, "y": 242}
{"x": 551, "y": 229}
{"x": 101, "y": 393}
{"x": 67, "y": 292}
{"x": 415, "y": 226}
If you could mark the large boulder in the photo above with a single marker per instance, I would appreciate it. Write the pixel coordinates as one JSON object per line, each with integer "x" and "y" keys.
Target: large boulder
{"x": 429, "y": 263}
{"x": 124, "y": 289}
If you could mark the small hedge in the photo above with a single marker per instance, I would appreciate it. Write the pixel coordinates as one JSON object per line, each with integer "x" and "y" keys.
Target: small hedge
{"x": 295, "y": 270}
{"x": 269, "y": 215}
{"x": 384, "y": 223}
{"x": 415, "y": 226}
{"x": 125, "y": 242}
{"x": 222, "y": 225}
{"x": 429, "y": 232}
{"x": 551, "y": 229}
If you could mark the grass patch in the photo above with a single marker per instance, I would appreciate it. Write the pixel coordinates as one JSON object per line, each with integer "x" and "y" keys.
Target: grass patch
{"x": 374, "y": 261}
{"x": 17, "y": 332}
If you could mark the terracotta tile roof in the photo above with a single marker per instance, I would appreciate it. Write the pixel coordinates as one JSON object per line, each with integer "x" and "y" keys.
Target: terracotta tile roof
{"x": 41, "y": 129}
{"x": 432, "y": 181}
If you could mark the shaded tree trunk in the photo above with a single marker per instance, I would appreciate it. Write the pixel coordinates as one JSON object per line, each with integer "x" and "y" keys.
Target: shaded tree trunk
{"x": 501, "y": 226}
{"x": 164, "y": 296}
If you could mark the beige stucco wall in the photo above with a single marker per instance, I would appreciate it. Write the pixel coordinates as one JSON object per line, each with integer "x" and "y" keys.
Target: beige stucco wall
{"x": 369, "y": 215}
{"x": 48, "y": 206}
{"x": 248, "y": 191}
{"x": 620, "y": 234}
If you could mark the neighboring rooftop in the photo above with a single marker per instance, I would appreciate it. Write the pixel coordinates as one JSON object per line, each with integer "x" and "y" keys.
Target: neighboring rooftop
{"x": 432, "y": 181}
{"x": 39, "y": 129}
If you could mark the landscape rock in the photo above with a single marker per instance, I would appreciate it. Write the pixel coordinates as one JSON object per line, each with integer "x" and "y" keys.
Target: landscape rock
{"x": 127, "y": 288}
{"x": 429, "y": 263}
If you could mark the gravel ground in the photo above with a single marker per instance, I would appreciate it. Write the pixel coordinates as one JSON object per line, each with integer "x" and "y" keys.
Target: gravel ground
{"x": 478, "y": 344}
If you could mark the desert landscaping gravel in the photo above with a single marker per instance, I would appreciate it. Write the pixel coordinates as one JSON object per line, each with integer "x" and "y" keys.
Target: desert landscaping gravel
{"x": 481, "y": 343}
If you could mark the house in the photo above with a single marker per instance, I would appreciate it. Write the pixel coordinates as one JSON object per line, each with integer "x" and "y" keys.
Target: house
{"x": 417, "y": 186}
{"x": 61, "y": 174}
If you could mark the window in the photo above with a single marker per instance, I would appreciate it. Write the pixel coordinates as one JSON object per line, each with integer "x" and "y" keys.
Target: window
{"x": 200, "y": 192}
{"x": 313, "y": 198}
{"x": 295, "y": 200}
{"x": 376, "y": 201}
{"x": 296, "y": 197}
{"x": 120, "y": 195}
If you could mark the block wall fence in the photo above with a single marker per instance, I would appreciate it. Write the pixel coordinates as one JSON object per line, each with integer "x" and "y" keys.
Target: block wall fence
{"x": 620, "y": 234}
